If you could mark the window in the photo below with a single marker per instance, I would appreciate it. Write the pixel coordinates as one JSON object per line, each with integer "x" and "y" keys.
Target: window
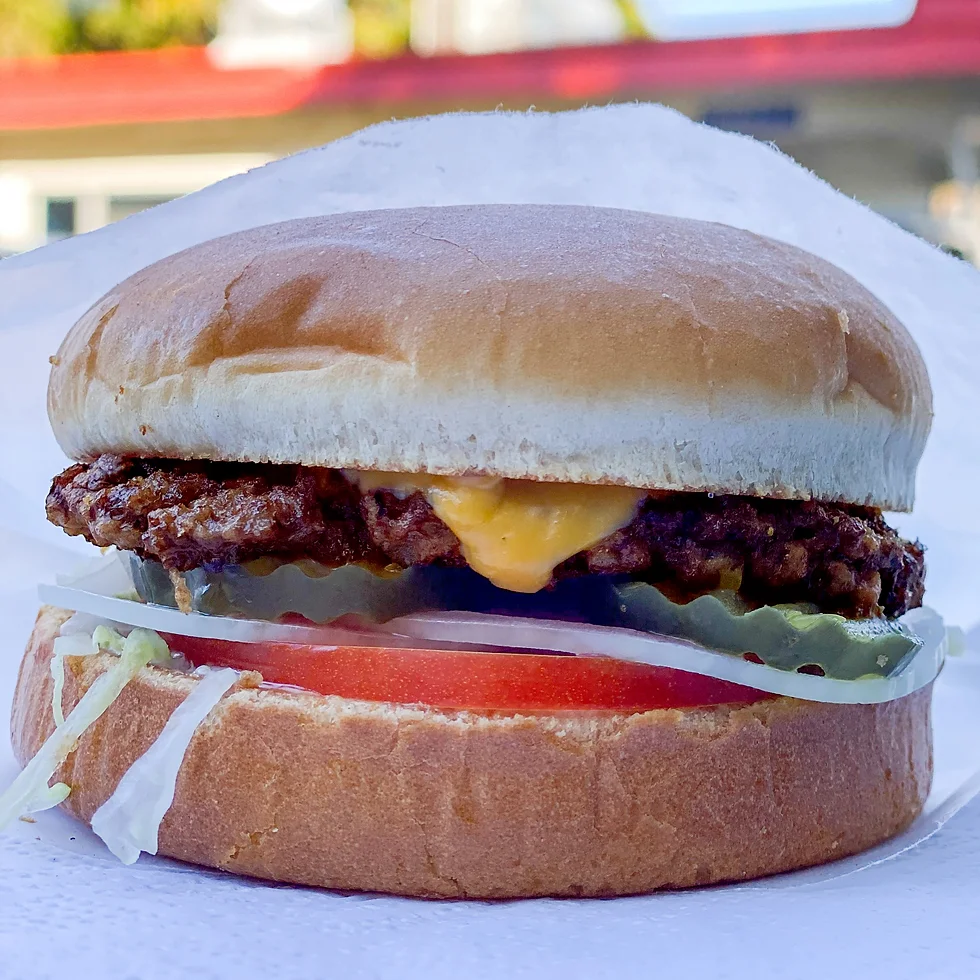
{"x": 60, "y": 218}
{"x": 124, "y": 206}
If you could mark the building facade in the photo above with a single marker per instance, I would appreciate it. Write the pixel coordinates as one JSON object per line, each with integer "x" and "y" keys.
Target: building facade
{"x": 888, "y": 115}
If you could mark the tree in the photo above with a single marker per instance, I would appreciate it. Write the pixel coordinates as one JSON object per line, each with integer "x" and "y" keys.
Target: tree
{"x": 29, "y": 28}
{"x": 32, "y": 28}
{"x": 126, "y": 24}
{"x": 381, "y": 27}
{"x": 38, "y": 27}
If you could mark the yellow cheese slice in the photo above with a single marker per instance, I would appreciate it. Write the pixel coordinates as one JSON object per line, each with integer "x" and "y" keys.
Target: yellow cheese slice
{"x": 514, "y": 532}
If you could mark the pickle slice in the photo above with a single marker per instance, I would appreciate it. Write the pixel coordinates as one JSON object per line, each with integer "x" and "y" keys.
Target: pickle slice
{"x": 785, "y": 636}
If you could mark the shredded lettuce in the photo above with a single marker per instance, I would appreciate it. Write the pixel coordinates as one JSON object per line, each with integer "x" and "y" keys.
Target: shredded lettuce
{"x": 72, "y": 645}
{"x": 129, "y": 821}
{"x": 31, "y": 791}
{"x": 76, "y": 640}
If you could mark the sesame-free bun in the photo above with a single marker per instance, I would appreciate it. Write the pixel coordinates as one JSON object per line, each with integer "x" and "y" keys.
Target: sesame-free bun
{"x": 562, "y": 343}
{"x": 298, "y": 787}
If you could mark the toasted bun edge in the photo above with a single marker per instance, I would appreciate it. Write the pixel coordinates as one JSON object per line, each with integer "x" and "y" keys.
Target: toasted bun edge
{"x": 690, "y": 355}
{"x": 297, "y": 787}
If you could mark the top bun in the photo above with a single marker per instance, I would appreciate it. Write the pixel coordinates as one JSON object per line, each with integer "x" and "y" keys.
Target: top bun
{"x": 578, "y": 344}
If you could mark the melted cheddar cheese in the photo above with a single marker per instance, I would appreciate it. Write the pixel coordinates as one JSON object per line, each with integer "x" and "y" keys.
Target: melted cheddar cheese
{"x": 514, "y": 532}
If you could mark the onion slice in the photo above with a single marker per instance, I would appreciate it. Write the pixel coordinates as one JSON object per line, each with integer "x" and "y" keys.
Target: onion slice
{"x": 116, "y": 611}
{"x": 663, "y": 651}
{"x": 478, "y": 631}
{"x": 164, "y": 619}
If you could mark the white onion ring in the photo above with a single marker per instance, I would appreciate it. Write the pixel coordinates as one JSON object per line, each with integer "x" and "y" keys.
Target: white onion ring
{"x": 165, "y": 619}
{"x": 464, "y": 630}
{"x": 660, "y": 651}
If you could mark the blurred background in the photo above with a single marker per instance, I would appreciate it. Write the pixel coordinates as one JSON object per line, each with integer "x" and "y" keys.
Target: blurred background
{"x": 108, "y": 107}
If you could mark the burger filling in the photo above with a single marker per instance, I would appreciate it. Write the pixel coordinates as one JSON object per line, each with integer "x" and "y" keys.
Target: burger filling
{"x": 640, "y": 594}
{"x": 522, "y": 537}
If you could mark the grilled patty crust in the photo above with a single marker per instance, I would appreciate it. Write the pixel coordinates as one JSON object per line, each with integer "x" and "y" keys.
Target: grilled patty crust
{"x": 187, "y": 514}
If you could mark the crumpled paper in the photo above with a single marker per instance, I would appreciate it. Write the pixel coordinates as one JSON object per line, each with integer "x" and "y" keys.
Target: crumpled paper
{"x": 907, "y": 908}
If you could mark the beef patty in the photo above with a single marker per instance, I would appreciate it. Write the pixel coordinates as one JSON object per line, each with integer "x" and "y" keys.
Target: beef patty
{"x": 842, "y": 558}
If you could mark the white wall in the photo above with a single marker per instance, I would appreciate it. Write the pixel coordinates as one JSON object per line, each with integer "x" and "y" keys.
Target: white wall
{"x": 92, "y": 183}
{"x": 483, "y": 26}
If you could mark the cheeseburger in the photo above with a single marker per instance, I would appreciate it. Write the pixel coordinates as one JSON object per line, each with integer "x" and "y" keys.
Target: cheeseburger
{"x": 486, "y": 551}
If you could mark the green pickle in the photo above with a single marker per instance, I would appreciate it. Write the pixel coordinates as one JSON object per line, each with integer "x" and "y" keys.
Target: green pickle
{"x": 787, "y": 637}
{"x": 235, "y": 591}
{"x": 783, "y": 636}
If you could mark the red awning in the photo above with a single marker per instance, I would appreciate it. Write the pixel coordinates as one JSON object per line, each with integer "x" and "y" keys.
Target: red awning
{"x": 941, "y": 40}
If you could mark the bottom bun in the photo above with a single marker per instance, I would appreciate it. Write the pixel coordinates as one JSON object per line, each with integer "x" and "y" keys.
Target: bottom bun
{"x": 298, "y": 787}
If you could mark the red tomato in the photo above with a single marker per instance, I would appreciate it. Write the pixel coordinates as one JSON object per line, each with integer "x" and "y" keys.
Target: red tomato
{"x": 478, "y": 681}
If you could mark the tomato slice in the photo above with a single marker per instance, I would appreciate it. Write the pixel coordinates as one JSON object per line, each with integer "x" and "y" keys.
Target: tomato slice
{"x": 467, "y": 679}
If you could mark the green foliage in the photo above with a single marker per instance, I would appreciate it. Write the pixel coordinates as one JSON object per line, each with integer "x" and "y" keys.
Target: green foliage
{"x": 38, "y": 27}
{"x": 381, "y": 27}
{"x": 632, "y": 21}
{"x": 29, "y": 28}
{"x": 126, "y": 24}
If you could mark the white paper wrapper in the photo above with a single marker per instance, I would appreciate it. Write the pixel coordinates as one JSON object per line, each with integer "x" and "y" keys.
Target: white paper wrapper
{"x": 908, "y": 909}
